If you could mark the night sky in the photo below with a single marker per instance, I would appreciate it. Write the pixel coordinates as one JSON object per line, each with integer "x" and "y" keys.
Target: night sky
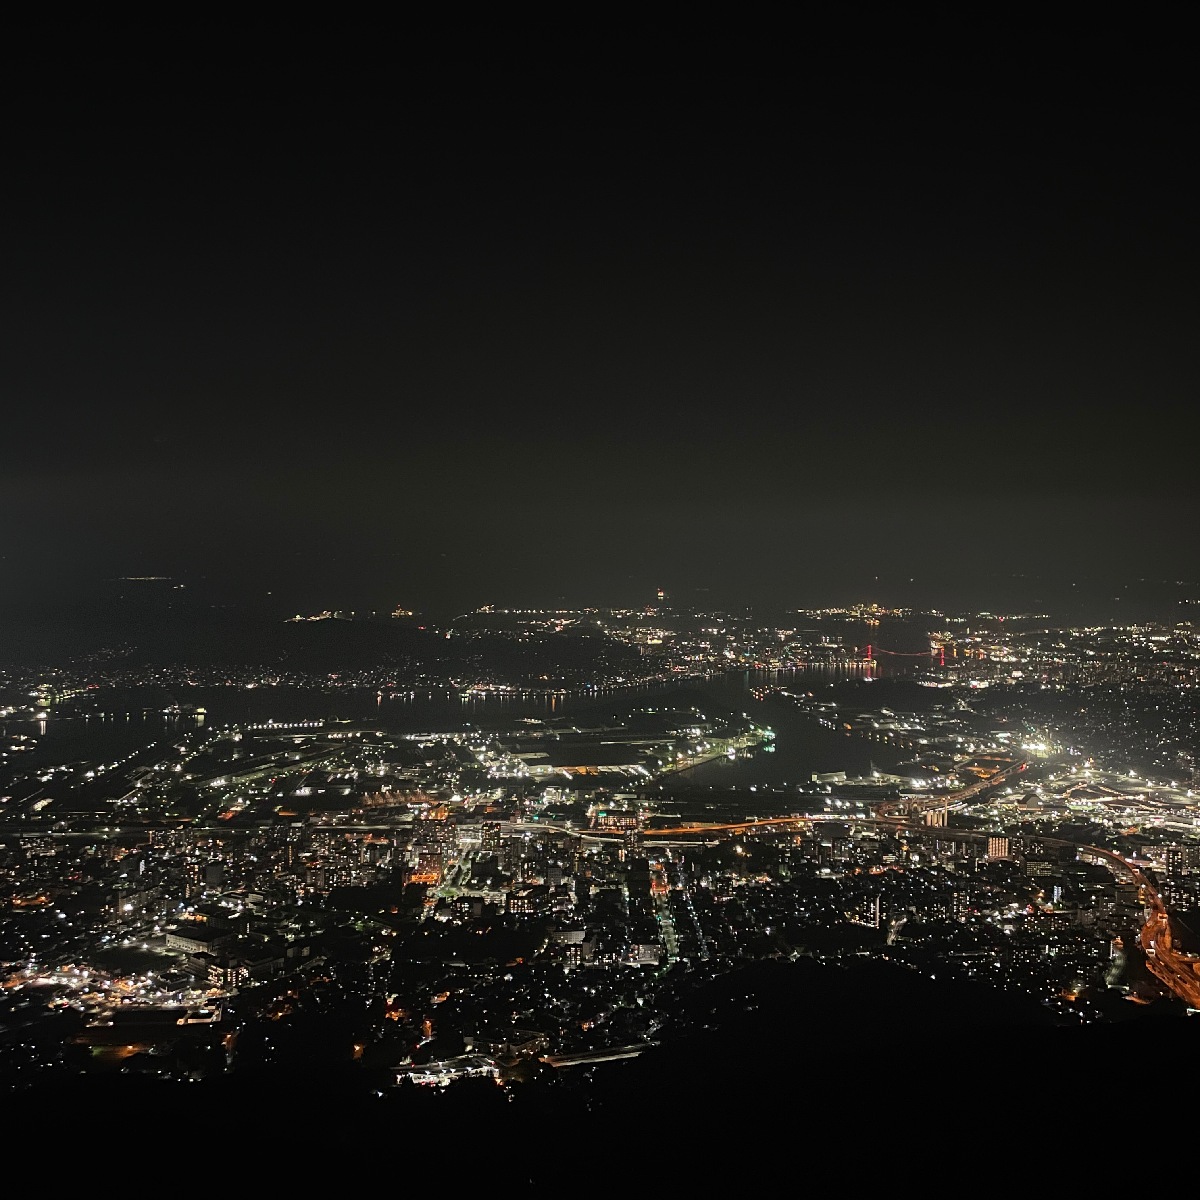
{"x": 415, "y": 321}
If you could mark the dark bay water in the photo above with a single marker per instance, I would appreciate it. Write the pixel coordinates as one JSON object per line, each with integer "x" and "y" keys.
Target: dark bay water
{"x": 105, "y": 726}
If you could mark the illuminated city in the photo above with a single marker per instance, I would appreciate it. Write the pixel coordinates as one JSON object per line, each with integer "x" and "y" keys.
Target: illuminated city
{"x": 580, "y": 609}
{"x": 509, "y": 896}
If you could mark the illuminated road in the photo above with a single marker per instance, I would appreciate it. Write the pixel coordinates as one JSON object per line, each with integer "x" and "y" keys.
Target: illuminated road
{"x": 883, "y": 812}
{"x": 595, "y": 1056}
{"x": 1000, "y": 775}
{"x": 1176, "y": 969}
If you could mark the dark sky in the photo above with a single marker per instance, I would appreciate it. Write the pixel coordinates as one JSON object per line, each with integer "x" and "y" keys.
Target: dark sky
{"x": 358, "y": 320}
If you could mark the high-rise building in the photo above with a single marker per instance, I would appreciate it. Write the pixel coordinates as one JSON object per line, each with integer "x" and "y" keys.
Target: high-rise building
{"x": 489, "y": 838}
{"x": 1173, "y": 861}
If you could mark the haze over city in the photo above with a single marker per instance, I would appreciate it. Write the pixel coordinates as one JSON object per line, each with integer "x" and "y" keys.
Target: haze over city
{"x": 857, "y": 331}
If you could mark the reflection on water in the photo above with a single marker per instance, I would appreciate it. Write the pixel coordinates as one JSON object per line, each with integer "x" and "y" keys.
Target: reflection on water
{"x": 110, "y": 724}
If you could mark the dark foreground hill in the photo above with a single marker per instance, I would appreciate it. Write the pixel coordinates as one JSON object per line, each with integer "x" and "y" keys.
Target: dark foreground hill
{"x": 784, "y": 1073}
